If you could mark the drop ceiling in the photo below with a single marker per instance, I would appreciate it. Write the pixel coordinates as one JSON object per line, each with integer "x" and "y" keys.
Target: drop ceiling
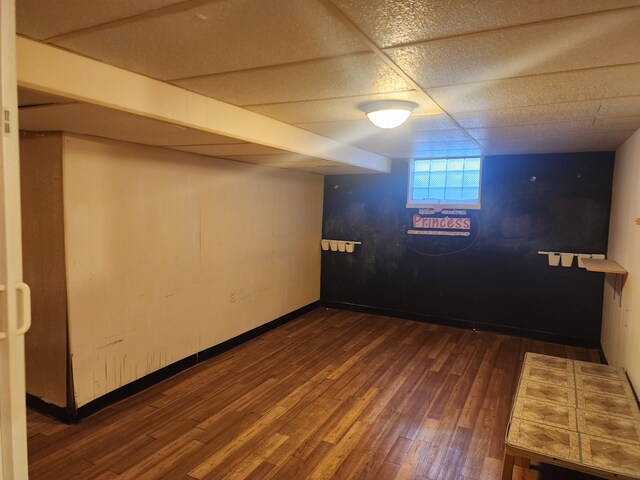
{"x": 490, "y": 77}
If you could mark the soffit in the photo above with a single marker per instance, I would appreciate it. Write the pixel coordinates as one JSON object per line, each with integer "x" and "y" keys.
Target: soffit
{"x": 47, "y": 69}
{"x": 87, "y": 119}
{"x": 230, "y": 149}
{"x": 27, "y": 98}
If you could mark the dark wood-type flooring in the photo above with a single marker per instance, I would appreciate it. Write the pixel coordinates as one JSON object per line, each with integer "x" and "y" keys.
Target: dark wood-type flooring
{"x": 332, "y": 394}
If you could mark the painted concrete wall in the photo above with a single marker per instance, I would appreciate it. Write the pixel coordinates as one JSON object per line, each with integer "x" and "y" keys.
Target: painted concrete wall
{"x": 621, "y": 314}
{"x": 170, "y": 253}
{"x": 493, "y": 279}
{"x": 44, "y": 266}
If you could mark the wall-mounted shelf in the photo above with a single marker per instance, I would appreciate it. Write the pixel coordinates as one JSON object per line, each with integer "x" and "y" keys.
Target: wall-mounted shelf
{"x": 566, "y": 258}
{"x": 339, "y": 245}
{"x": 605, "y": 266}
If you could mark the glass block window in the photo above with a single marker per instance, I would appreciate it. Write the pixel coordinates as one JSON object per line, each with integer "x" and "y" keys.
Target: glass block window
{"x": 450, "y": 182}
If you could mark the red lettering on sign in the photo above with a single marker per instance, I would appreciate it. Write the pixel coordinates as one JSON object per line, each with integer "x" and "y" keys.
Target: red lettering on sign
{"x": 439, "y": 222}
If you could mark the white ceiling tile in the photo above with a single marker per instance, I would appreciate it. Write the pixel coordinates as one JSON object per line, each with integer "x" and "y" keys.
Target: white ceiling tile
{"x": 470, "y": 144}
{"x": 386, "y": 148}
{"x": 218, "y": 37}
{"x": 396, "y": 22}
{"x": 619, "y": 123}
{"x": 392, "y": 143}
{"x": 228, "y": 150}
{"x": 584, "y": 42}
{"x": 457, "y": 135}
{"x": 575, "y": 86}
{"x": 85, "y": 119}
{"x": 448, "y": 153}
{"x": 552, "y": 145}
{"x": 559, "y": 112}
{"x": 519, "y": 147}
{"x": 43, "y": 19}
{"x": 431, "y": 122}
{"x": 339, "y": 109}
{"x": 585, "y": 130}
{"x": 620, "y": 107}
{"x": 292, "y": 60}
{"x": 541, "y": 147}
{"x": 536, "y": 130}
{"x": 350, "y": 75}
{"x": 396, "y": 146}
{"x": 624, "y": 108}
{"x": 352, "y": 130}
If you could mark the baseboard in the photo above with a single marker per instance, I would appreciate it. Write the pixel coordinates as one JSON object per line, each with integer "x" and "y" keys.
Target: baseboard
{"x": 603, "y": 360}
{"x": 256, "y": 332}
{"x": 71, "y": 415}
{"x": 49, "y": 409}
{"x": 134, "y": 387}
{"x": 603, "y": 357}
{"x": 467, "y": 324}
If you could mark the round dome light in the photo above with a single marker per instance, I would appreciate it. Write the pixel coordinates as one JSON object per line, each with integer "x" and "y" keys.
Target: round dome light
{"x": 388, "y": 113}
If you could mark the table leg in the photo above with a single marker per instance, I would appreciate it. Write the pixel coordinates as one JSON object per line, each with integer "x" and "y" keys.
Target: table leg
{"x": 507, "y": 467}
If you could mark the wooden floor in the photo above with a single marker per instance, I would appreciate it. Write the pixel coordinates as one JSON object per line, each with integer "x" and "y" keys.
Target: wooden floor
{"x": 332, "y": 394}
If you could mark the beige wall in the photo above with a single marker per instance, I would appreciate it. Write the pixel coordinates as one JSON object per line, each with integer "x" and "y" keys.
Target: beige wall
{"x": 169, "y": 253}
{"x": 621, "y": 316}
{"x": 44, "y": 266}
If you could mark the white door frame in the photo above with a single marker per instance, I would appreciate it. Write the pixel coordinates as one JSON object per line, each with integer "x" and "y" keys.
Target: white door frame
{"x": 15, "y": 305}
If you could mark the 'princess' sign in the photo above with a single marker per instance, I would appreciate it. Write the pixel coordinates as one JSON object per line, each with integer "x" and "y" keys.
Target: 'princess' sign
{"x": 445, "y": 223}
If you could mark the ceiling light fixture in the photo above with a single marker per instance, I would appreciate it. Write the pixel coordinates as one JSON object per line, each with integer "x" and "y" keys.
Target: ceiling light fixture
{"x": 388, "y": 113}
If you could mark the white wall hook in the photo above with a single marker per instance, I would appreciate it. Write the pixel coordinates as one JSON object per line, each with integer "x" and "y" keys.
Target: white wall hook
{"x": 567, "y": 259}
{"x": 554, "y": 258}
{"x": 347, "y": 246}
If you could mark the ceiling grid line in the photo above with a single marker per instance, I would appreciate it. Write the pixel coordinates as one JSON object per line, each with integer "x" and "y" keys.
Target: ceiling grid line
{"x": 156, "y": 12}
{"x": 492, "y": 76}
{"x": 273, "y": 67}
{"x": 533, "y": 75}
{"x": 569, "y": 102}
{"x": 516, "y": 26}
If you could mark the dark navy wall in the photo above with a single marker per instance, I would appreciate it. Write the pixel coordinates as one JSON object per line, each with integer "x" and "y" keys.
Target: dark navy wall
{"x": 494, "y": 279}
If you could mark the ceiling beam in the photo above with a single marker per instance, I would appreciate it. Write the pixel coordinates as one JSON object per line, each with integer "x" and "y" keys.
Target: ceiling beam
{"x": 55, "y": 71}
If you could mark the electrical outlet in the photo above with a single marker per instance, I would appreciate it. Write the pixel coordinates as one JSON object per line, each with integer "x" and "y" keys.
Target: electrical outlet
{"x": 232, "y": 297}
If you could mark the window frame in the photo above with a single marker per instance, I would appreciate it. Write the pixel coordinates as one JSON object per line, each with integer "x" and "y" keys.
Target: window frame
{"x": 411, "y": 203}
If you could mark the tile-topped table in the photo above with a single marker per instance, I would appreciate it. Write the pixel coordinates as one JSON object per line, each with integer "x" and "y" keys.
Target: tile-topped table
{"x": 578, "y": 415}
